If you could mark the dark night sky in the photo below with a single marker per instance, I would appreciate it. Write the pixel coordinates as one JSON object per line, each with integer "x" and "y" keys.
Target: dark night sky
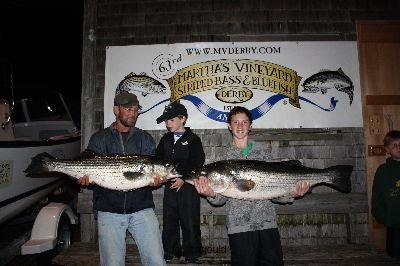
{"x": 43, "y": 40}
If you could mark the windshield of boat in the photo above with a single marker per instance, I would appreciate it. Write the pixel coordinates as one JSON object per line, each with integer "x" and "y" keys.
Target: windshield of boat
{"x": 47, "y": 107}
{"x": 35, "y": 104}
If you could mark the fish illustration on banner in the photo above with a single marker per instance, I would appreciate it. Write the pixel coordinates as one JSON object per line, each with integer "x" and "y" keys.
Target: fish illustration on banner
{"x": 140, "y": 83}
{"x": 325, "y": 80}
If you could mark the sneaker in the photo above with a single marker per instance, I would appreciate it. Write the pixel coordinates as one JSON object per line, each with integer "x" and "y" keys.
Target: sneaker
{"x": 168, "y": 257}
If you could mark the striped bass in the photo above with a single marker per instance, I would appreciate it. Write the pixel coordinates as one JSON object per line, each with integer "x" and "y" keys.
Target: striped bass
{"x": 121, "y": 172}
{"x": 140, "y": 83}
{"x": 255, "y": 180}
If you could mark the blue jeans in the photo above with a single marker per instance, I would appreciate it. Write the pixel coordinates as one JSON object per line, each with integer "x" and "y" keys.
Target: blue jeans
{"x": 144, "y": 227}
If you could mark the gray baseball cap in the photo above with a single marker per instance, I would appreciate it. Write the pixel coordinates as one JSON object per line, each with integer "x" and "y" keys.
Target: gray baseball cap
{"x": 126, "y": 99}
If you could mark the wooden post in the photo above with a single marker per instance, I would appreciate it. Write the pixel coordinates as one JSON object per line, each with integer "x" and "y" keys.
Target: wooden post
{"x": 88, "y": 228}
{"x": 87, "y": 221}
{"x": 88, "y": 70}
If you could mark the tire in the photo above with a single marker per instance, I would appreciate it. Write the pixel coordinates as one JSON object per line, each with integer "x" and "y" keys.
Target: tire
{"x": 64, "y": 234}
{"x": 64, "y": 240}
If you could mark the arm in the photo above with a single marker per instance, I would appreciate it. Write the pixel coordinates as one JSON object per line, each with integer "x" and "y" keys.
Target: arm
{"x": 218, "y": 200}
{"x": 302, "y": 187}
{"x": 378, "y": 205}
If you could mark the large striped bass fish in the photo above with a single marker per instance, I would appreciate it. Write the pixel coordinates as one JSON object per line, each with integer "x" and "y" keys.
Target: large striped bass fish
{"x": 120, "y": 172}
{"x": 255, "y": 180}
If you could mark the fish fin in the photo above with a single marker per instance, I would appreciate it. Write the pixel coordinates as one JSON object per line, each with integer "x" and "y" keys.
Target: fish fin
{"x": 324, "y": 91}
{"x": 132, "y": 175}
{"x": 39, "y": 164}
{"x": 341, "y": 72}
{"x": 142, "y": 74}
{"x": 87, "y": 154}
{"x": 144, "y": 94}
{"x": 341, "y": 177}
{"x": 130, "y": 75}
{"x": 243, "y": 184}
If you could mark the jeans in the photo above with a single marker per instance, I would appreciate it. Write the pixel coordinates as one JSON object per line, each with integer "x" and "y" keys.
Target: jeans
{"x": 144, "y": 227}
{"x": 393, "y": 242}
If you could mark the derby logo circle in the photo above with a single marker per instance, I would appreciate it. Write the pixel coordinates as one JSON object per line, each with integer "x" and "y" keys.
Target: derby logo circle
{"x": 234, "y": 94}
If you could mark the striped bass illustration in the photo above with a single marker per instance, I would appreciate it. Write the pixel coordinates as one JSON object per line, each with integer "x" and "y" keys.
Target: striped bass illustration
{"x": 140, "y": 83}
{"x": 122, "y": 172}
{"x": 256, "y": 180}
{"x": 327, "y": 79}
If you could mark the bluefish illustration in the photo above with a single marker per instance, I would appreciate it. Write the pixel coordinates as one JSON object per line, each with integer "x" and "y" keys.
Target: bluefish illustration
{"x": 327, "y": 79}
{"x": 140, "y": 83}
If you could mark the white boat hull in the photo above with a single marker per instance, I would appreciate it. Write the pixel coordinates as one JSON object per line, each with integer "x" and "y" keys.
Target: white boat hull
{"x": 18, "y": 192}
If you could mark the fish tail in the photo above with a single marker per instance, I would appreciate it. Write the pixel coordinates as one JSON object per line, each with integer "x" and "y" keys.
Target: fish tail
{"x": 341, "y": 177}
{"x": 39, "y": 164}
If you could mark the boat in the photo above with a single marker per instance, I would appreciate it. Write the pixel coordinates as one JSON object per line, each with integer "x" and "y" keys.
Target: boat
{"x": 23, "y": 135}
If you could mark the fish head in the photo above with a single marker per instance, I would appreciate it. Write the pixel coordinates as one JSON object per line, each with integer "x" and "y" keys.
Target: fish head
{"x": 164, "y": 170}
{"x": 217, "y": 180}
{"x": 311, "y": 86}
{"x": 315, "y": 82}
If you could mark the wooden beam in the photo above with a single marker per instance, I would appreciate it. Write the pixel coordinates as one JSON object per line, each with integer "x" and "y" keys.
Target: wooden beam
{"x": 384, "y": 31}
{"x": 382, "y": 99}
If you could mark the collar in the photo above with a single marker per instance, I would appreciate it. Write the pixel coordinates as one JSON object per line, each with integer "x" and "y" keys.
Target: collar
{"x": 246, "y": 150}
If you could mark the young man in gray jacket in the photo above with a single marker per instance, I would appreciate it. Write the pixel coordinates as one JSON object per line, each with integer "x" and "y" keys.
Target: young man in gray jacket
{"x": 253, "y": 233}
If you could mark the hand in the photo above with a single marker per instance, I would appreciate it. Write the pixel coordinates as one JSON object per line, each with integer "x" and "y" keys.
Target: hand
{"x": 302, "y": 187}
{"x": 177, "y": 183}
{"x": 202, "y": 187}
{"x": 157, "y": 181}
{"x": 84, "y": 181}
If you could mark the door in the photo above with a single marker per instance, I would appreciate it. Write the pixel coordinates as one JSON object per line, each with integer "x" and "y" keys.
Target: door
{"x": 379, "y": 59}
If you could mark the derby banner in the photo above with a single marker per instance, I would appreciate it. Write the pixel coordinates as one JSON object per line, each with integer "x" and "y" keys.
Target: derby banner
{"x": 283, "y": 84}
{"x": 236, "y": 74}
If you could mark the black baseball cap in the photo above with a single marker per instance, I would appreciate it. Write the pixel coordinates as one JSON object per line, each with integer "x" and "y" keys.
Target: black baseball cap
{"x": 126, "y": 99}
{"x": 172, "y": 110}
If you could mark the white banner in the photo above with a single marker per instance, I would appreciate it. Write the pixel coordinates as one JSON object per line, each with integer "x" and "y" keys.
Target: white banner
{"x": 284, "y": 84}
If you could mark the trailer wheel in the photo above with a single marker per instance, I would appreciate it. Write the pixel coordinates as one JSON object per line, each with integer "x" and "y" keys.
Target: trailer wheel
{"x": 64, "y": 240}
{"x": 64, "y": 234}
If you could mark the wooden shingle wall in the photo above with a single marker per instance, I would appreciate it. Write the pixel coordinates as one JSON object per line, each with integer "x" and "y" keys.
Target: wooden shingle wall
{"x": 324, "y": 216}
{"x": 137, "y": 22}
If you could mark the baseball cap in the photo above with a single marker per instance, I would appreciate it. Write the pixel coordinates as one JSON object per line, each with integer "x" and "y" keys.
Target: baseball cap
{"x": 172, "y": 110}
{"x": 126, "y": 99}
